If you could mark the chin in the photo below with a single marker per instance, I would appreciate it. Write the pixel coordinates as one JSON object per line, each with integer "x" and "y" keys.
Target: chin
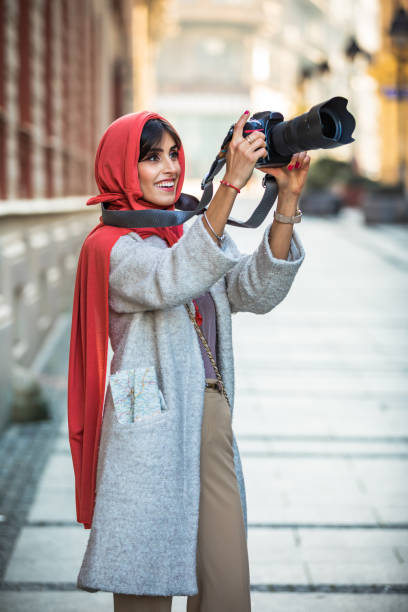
{"x": 167, "y": 201}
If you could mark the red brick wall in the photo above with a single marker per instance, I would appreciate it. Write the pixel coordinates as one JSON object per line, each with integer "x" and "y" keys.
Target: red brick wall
{"x": 79, "y": 45}
{"x": 3, "y": 186}
{"x": 49, "y": 76}
{"x": 25, "y": 189}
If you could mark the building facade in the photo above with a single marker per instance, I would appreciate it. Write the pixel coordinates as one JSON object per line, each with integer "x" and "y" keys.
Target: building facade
{"x": 151, "y": 20}
{"x": 203, "y": 73}
{"x": 224, "y": 56}
{"x": 391, "y": 76}
{"x": 65, "y": 75}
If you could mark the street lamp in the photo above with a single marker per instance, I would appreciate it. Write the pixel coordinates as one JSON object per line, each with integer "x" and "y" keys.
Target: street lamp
{"x": 306, "y": 73}
{"x": 399, "y": 37}
{"x": 353, "y": 49}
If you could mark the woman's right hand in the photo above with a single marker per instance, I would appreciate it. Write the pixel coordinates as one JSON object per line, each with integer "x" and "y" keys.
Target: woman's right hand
{"x": 242, "y": 155}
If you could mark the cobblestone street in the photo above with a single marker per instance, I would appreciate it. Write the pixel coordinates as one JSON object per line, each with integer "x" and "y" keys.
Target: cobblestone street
{"x": 321, "y": 419}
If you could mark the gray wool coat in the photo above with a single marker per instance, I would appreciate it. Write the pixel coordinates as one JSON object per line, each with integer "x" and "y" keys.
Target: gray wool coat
{"x": 144, "y": 531}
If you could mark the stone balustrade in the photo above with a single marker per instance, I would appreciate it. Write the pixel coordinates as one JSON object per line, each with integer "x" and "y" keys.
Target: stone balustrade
{"x": 38, "y": 258}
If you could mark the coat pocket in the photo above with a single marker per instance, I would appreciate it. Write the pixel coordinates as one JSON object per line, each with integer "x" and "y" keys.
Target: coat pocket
{"x": 136, "y": 395}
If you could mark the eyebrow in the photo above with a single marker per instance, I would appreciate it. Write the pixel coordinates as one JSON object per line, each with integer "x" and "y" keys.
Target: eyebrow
{"x": 161, "y": 150}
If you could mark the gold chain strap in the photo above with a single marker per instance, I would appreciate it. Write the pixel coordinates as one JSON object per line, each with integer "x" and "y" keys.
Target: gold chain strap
{"x": 207, "y": 348}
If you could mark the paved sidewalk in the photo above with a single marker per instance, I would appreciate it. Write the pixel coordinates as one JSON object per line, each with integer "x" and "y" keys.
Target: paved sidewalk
{"x": 321, "y": 419}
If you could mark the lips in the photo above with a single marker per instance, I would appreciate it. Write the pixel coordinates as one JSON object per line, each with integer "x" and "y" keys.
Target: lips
{"x": 166, "y": 185}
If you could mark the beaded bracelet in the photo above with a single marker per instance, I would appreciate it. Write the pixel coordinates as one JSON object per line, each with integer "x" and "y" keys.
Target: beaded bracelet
{"x": 230, "y": 185}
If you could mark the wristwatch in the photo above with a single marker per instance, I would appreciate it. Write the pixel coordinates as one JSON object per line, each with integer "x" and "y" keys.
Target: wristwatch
{"x": 285, "y": 219}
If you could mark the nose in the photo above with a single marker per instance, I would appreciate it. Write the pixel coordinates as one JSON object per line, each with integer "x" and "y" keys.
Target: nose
{"x": 170, "y": 165}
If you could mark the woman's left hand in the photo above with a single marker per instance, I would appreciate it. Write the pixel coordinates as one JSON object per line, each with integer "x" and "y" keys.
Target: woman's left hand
{"x": 291, "y": 182}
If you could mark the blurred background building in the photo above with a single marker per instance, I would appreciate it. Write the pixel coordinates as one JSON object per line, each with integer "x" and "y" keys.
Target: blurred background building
{"x": 390, "y": 70}
{"x": 68, "y": 68}
{"x": 219, "y": 57}
{"x": 65, "y": 74}
{"x": 223, "y": 57}
{"x": 66, "y": 71}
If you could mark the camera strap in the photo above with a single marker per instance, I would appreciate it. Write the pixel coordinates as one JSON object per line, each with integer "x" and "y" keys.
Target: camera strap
{"x": 168, "y": 218}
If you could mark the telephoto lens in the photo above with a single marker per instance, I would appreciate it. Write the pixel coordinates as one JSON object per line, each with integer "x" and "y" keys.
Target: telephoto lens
{"x": 325, "y": 126}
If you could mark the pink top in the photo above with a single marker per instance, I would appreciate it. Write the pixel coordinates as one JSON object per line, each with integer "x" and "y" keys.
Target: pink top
{"x": 209, "y": 328}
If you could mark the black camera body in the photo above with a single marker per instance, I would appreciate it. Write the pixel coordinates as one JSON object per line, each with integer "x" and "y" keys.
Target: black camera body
{"x": 327, "y": 125}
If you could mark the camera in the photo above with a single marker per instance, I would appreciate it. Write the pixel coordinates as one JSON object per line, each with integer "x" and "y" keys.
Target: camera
{"x": 325, "y": 126}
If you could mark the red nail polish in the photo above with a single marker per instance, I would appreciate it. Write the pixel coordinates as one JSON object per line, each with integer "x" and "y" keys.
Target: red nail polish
{"x": 246, "y": 112}
{"x": 297, "y": 165}
{"x": 290, "y": 167}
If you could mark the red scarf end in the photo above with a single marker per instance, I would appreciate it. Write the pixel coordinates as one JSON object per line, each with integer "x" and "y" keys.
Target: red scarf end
{"x": 198, "y": 316}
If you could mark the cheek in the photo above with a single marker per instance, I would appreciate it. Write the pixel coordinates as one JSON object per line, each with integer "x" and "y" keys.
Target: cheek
{"x": 145, "y": 176}
{"x": 178, "y": 169}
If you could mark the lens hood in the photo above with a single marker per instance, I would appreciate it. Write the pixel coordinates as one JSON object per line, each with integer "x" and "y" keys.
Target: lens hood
{"x": 325, "y": 126}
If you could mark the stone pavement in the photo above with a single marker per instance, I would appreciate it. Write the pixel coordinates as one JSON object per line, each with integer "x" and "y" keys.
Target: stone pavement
{"x": 321, "y": 421}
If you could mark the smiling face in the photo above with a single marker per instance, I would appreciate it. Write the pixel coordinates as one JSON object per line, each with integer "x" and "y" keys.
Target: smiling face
{"x": 159, "y": 171}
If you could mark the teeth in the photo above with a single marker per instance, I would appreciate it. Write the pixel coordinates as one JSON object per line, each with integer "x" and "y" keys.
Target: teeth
{"x": 165, "y": 184}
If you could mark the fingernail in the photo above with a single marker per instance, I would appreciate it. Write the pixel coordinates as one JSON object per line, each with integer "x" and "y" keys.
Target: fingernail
{"x": 297, "y": 165}
{"x": 290, "y": 167}
{"x": 246, "y": 112}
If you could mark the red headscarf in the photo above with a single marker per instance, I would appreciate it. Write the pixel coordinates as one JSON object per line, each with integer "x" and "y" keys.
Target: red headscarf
{"x": 117, "y": 178}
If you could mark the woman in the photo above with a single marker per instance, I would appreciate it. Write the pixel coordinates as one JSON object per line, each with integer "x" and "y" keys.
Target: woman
{"x": 157, "y": 469}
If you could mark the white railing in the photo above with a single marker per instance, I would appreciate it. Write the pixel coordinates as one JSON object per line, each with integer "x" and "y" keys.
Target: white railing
{"x": 38, "y": 257}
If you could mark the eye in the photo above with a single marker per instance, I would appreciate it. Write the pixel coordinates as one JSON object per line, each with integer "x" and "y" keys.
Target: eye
{"x": 152, "y": 156}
